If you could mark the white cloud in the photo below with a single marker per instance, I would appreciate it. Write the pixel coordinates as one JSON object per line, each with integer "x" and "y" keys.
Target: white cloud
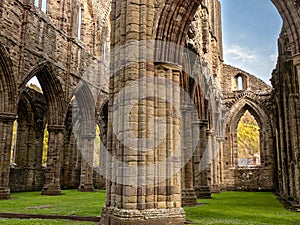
{"x": 273, "y": 57}
{"x": 239, "y": 54}
{"x": 257, "y": 62}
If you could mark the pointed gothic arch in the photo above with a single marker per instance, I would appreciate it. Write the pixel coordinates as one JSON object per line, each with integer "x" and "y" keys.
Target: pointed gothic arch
{"x": 85, "y": 133}
{"x": 52, "y": 90}
{"x": 87, "y": 107}
{"x": 248, "y": 178}
{"x": 7, "y": 83}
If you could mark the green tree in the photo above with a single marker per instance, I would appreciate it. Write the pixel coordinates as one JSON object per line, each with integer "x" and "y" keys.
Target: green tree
{"x": 248, "y": 136}
{"x": 45, "y": 146}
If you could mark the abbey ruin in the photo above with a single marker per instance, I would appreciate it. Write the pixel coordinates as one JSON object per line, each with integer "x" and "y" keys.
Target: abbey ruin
{"x": 147, "y": 79}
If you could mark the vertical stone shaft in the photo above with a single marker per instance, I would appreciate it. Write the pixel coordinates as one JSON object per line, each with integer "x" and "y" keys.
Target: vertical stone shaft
{"x": 52, "y": 172}
{"x": 221, "y": 162}
{"x": 87, "y": 152}
{"x": 295, "y": 131}
{"x": 143, "y": 183}
{"x": 202, "y": 184}
{"x": 189, "y": 131}
{"x": 6, "y": 130}
{"x": 214, "y": 164}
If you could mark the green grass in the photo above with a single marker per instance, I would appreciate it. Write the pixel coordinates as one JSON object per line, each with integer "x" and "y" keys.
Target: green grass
{"x": 41, "y": 222}
{"x": 70, "y": 203}
{"x": 237, "y": 208}
{"x": 241, "y": 208}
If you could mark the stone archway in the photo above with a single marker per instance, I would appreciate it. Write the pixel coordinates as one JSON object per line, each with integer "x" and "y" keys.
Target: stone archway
{"x": 85, "y": 135}
{"x": 54, "y": 96}
{"x": 7, "y": 117}
{"x": 286, "y": 84}
{"x": 235, "y": 177}
{"x": 163, "y": 20}
{"x": 27, "y": 172}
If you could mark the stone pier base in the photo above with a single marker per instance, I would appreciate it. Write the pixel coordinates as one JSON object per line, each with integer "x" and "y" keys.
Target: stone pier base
{"x": 86, "y": 188}
{"x": 4, "y": 193}
{"x": 51, "y": 190}
{"x": 188, "y": 197}
{"x": 114, "y": 216}
{"x": 203, "y": 192}
{"x": 215, "y": 189}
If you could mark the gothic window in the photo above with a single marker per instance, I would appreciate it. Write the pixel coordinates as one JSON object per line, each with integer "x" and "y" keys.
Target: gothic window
{"x": 41, "y": 4}
{"x": 79, "y": 21}
{"x": 240, "y": 82}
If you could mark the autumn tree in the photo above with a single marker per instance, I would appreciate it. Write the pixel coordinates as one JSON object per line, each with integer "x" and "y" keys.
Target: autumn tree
{"x": 248, "y": 136}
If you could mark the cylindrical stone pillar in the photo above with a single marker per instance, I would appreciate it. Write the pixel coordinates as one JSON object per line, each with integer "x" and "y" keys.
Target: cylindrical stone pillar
{"x": 52, "y": 172}
{"x": 6, "y": 130}
{"x": 87, "y": 152}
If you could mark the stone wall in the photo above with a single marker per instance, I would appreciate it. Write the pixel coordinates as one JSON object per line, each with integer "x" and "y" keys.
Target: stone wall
{"x": 285, "y": 113}
{"x": 47, "y": 44}
{"x": 254, "y": 96}
{"x": 23, "y": 179}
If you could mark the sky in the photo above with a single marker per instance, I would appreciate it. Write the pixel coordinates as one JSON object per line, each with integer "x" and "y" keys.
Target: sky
{"x": 250, "y": 32}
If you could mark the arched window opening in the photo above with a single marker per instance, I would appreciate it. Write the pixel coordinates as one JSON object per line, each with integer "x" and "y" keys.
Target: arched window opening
{"x": 79, "y": 22}
{"x": 34, "y": 84}
{"x": 240, "y": 83}
{"x": 41, "y": 4}
{"x": 14, "y": 143}
{"x": 104, "y": 50}
{"x": 29, "y": 130}
{"x": 45, "y": 147}
{"x": 248, "y": 141}
{"x": 97, "y": 144}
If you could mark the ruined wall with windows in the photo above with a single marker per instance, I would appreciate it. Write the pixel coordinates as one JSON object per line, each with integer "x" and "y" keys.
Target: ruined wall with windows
{"x": 201, "y": 72}
{"x": 65, "y": 44}
{"x": 245, "y": 93}
{"x": 62, "y": 45}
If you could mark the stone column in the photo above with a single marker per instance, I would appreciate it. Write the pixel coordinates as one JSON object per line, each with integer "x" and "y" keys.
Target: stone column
{"x": 22, "y": 144}
{"x": 144, "y": 153}
{"x": 202, "y": 165}
{"x": 52, "y": 172}
{"x": 6, "y": 130}
{"x": 144, "y": 185}
{"x": 295, "y": 125}
{"x": 87, "y": 152}
{"x": 214, "y": 163}
{"x": 189, "y": 129}
{"x": 103, "y": 147}
{"x": 221, "y": 162}
{"x": 296, "y": 63}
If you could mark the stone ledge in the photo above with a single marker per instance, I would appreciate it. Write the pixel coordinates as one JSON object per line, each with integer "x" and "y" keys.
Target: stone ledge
{"x": 43, "y": 216}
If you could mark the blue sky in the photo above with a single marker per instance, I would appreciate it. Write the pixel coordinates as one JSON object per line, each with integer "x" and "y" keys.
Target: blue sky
{"x": 250, "y": 32}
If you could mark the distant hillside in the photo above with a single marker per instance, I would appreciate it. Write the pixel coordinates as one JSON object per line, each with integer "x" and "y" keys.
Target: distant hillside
{"x": 248, "y": 136}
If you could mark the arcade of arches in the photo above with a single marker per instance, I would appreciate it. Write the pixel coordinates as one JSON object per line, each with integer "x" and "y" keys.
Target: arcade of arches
{"x": 150, "y": 74}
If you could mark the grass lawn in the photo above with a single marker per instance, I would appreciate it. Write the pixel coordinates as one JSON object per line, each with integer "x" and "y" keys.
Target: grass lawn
{"x": 225, "y": 208}
{"x": 70, "y": 203}
{"x": 42, "y": 222}
{"x": 242, "y": 208}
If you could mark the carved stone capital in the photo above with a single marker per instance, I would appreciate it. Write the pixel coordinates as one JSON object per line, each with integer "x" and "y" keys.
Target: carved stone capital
{"x": 56, "y": 128}
{"x": 296, "y": 61}
{"x": 7, "y": 117}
